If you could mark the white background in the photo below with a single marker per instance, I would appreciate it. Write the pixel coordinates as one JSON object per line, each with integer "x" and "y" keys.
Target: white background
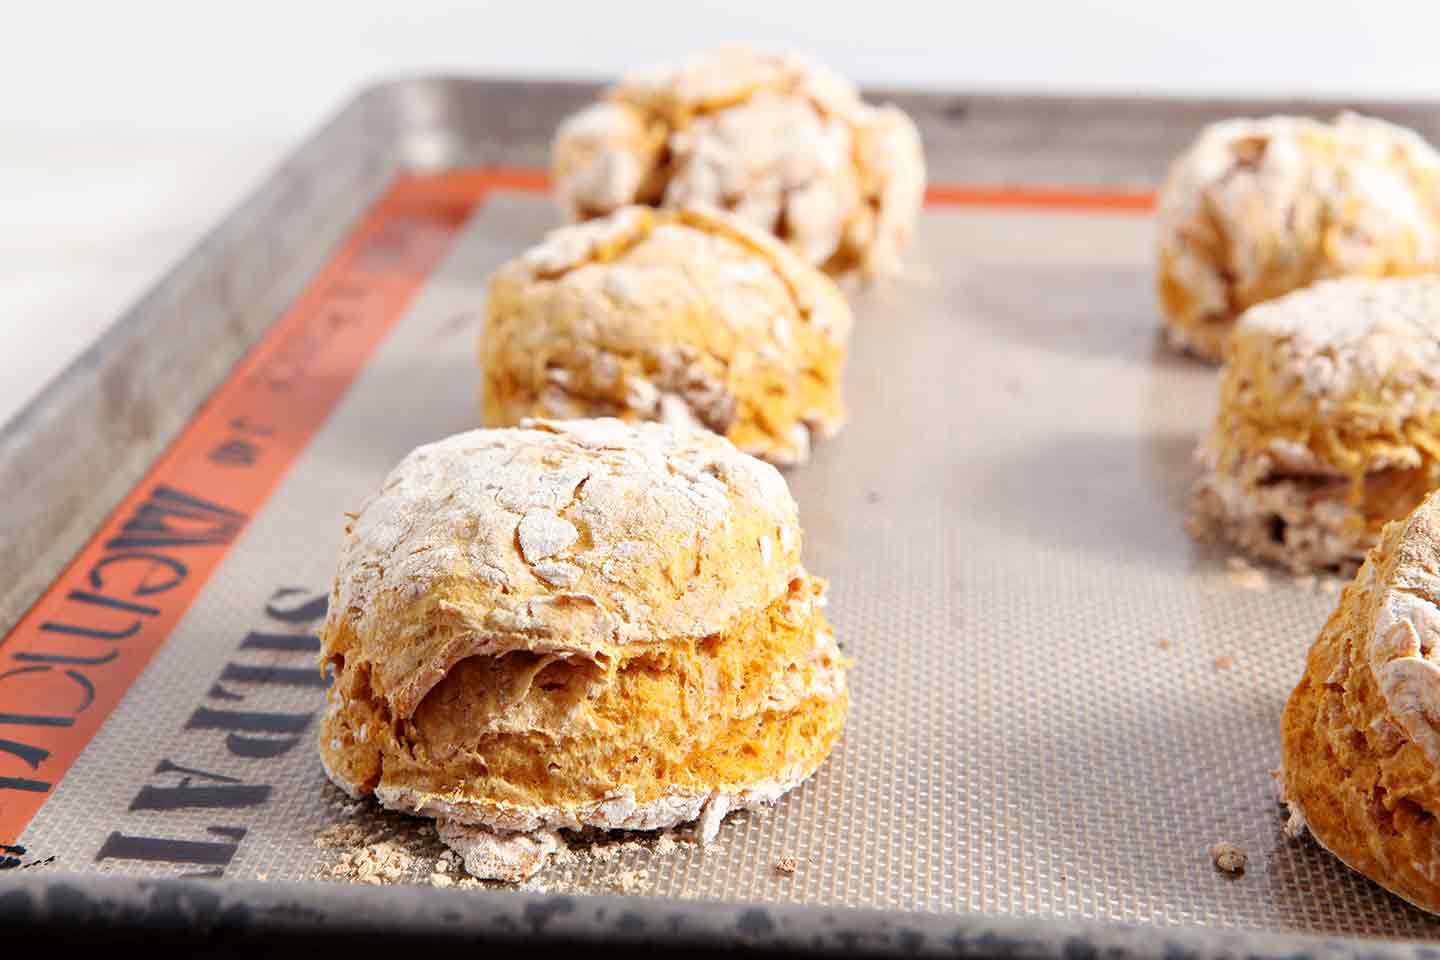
{"x": 127, "y": 128}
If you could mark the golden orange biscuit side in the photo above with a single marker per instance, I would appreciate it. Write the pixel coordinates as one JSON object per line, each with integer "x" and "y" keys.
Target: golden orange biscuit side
{"x": 1358, "y": 737}
{"x": 686, "y": 716}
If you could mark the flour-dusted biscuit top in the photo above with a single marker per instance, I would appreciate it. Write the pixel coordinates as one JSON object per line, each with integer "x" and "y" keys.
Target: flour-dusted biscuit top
{"x": 1258, "y": 208}
{"x": 685, "y": 316}
{"x": 1360, "y": 746}
{"x": 576, "y": 624}
{"x": 783, "y": 143}
{"x": 1358, "y": 354}
{"x": 1329, "y": 421}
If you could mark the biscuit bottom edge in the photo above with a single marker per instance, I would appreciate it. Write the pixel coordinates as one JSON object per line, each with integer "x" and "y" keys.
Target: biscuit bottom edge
{"x": 510, "y": 856}
{"x": 1193, "y": 323}
{"x": 1203, "y": 344}
{"x": 1287, "y": 521}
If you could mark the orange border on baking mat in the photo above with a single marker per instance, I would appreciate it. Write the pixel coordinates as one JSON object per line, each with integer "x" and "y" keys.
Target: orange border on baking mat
{"x": 68, "y": 662}
{"x": 969, "y": 195}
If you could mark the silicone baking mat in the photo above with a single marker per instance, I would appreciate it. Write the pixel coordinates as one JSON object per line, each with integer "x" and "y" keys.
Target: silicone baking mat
{"x": 1061, "y": 702}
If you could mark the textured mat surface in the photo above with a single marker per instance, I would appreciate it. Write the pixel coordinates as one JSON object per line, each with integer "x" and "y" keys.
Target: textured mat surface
{"x": 1060, "y": 701}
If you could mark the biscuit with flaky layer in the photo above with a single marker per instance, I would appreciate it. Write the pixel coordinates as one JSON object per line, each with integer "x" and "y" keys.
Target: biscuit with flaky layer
{"x": 576, "y": 624}
{"x": 785, "y": 144}
{"x": 685, "y": 316}
{"x": 1360, "y": 744}
{"x": 1258, "y": 208}
{"x": 1329, "y": 421}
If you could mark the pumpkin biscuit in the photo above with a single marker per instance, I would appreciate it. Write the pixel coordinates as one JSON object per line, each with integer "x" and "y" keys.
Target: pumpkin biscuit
{"x": 1258, "y": 208}
{"x": 784, "y": 144}
{"x": 684, "y": 316}
{"x": 571, "y": 625}
{"x": 1329, "y": 421}
{"x": 1360, "y": 746}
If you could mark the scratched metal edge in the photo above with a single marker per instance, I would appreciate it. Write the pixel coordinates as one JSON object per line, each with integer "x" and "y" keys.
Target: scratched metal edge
{"x": 78, "y": 447}
{"x": 972, "y": 139}
{"x": 100, "y": 906}
{"x": 130, "y": 394}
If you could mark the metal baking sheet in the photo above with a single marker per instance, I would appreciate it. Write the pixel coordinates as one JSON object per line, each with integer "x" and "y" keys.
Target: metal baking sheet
{"x": 1060, "y": 701}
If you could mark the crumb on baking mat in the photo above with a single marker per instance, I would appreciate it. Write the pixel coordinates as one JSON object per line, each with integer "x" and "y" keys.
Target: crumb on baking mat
{"x": 1228, "y": 858}
{"x": 630, "y": 881}
{"x": 1243, "y": 575}
{"x": 376, "y": 863}
{"x": 379, "y": 854}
